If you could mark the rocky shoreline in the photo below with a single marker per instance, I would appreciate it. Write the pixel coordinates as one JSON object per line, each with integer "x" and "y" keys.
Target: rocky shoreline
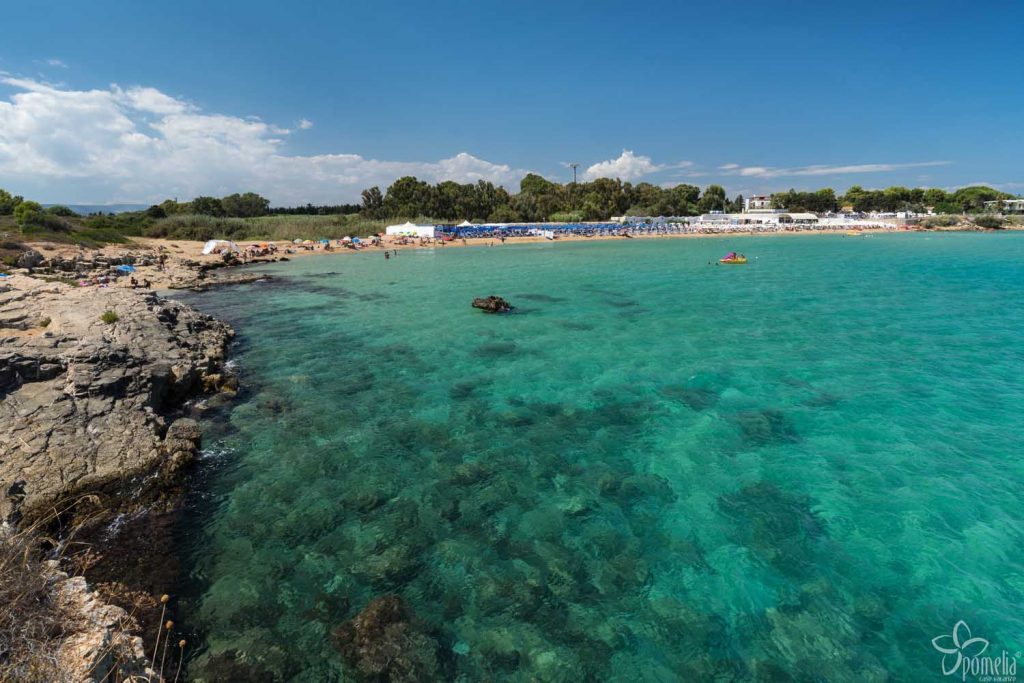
{"x": 95, "y": 385}
{"x": 92, "y": 381}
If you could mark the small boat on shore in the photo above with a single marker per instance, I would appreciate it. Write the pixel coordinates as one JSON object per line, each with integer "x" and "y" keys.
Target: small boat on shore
{"x": 854, "y": 233}
{"x": 733, "y": 259}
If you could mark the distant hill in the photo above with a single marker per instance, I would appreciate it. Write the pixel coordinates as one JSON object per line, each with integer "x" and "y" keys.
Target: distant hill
{"x": 86, "y": 209}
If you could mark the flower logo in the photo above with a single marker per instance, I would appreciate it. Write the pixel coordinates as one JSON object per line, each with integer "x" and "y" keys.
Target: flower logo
{"x": 958, "y": 646}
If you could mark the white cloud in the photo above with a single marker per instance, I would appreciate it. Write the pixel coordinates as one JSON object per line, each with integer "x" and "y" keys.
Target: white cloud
{"x": 149, "y": 100}
{"x": 56, "y": 63}
{"x": 140, "y": 144}
{"x": 305, "y": 124}
{"x": 818, "y": 170}
{"x": 628, "y": 166}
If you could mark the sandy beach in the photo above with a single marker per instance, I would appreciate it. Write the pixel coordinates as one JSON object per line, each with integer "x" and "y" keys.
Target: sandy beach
{"x": 185, "y": 265}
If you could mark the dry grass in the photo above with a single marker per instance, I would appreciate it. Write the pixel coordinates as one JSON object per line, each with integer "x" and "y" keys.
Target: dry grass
{"x": 32, "y": 623}
{"x": 35, "y": 619}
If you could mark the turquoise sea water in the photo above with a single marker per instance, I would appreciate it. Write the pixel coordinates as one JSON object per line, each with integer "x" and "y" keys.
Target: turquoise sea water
{"x": 657, "y": 469}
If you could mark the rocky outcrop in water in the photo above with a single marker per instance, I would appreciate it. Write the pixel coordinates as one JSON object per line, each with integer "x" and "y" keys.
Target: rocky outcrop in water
{"x": 493, "y": 304}
{"x": 90, "y": 382}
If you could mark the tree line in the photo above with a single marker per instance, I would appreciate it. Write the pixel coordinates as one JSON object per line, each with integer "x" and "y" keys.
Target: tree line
{"x": 540, "y": 199}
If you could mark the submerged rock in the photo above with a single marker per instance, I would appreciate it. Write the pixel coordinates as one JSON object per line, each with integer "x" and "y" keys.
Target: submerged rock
{"x": 766, "y": 427}
{"x": 780, "y": 526}
{"x": 696, "y": 398}
{"x": 385, "y": 642}
{"x": 493, "y": 304}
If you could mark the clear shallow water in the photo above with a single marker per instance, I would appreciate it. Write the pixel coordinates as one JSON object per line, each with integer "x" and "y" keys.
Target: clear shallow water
{"x": 656, "y": 470}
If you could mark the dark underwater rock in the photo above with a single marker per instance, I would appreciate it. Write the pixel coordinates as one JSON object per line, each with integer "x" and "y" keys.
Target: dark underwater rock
{"x": 696, "y": 398}
{"x": 493, "y": 304}
{"x": 780, "y": 526}
{"x": 765, "y": 427}
{"x": 385, "y": 642}
{"x": 496, "y": 349}
{"x": 543, "y": 298}
{"x": 232, "y": 666}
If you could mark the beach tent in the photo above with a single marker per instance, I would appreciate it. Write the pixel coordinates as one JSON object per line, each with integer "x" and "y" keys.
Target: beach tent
{"x": 410, "y": 229}
{"x": 125, "y": 269}
{"x": 219, "y": 247}
{"x": 464, "y": 224}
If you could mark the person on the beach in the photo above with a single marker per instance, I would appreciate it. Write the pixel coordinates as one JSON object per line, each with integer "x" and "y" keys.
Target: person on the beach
{"x": 387, "y": 255}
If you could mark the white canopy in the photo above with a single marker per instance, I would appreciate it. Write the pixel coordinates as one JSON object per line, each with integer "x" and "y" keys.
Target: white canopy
{"x": 465, "y": 224}
{"x": 410, "y": 229}
{"x": 219, "y": 246}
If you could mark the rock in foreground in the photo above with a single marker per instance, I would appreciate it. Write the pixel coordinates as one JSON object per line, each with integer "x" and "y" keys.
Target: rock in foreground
{"x": 90, "y": 383}
{"x": 493, "y": 304}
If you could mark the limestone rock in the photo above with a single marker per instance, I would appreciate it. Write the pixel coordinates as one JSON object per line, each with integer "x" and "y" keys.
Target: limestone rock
{"x": 83, "y": 403}
{"x": 100, "y": 645}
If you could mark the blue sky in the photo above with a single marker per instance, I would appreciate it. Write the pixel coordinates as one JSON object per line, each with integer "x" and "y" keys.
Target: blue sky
{"x": 312, "y": 101}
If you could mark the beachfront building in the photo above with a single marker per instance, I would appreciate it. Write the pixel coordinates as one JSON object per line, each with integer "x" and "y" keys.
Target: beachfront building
{"x": 757, "y": 202}
{"x": 763, "y": 218}
{"x": 1006, "y": 206}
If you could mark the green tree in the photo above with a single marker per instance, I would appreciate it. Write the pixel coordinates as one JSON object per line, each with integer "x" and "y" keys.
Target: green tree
{"x": 173, "y": 206}
{"x": 934, "y": 197}
{"x": 408, "y": 197}
{"x": 373, "y": 202}
{"x": 27, "y": 210}
{"x": 973, "y": 198}
{"x": 248, "y": 205}
{"x": 713, "y": 199}
{"x": 8, "y": 202}
{"x": 503, "y": 213}
{"x": 207, "y": 206}
{"x": 602, "y": 199}
{"x": 684, "y": 200}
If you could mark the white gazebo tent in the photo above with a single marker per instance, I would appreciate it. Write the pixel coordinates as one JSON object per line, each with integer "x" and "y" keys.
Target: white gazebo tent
{"x": 464, "y": 224}
{"x": 219, "y": 246}
{"x": 410, "y": 229}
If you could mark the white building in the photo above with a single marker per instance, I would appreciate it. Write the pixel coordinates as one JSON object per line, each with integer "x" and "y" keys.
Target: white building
{"x": 1015, "y": 206}
{"x": 758, "y": 202}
